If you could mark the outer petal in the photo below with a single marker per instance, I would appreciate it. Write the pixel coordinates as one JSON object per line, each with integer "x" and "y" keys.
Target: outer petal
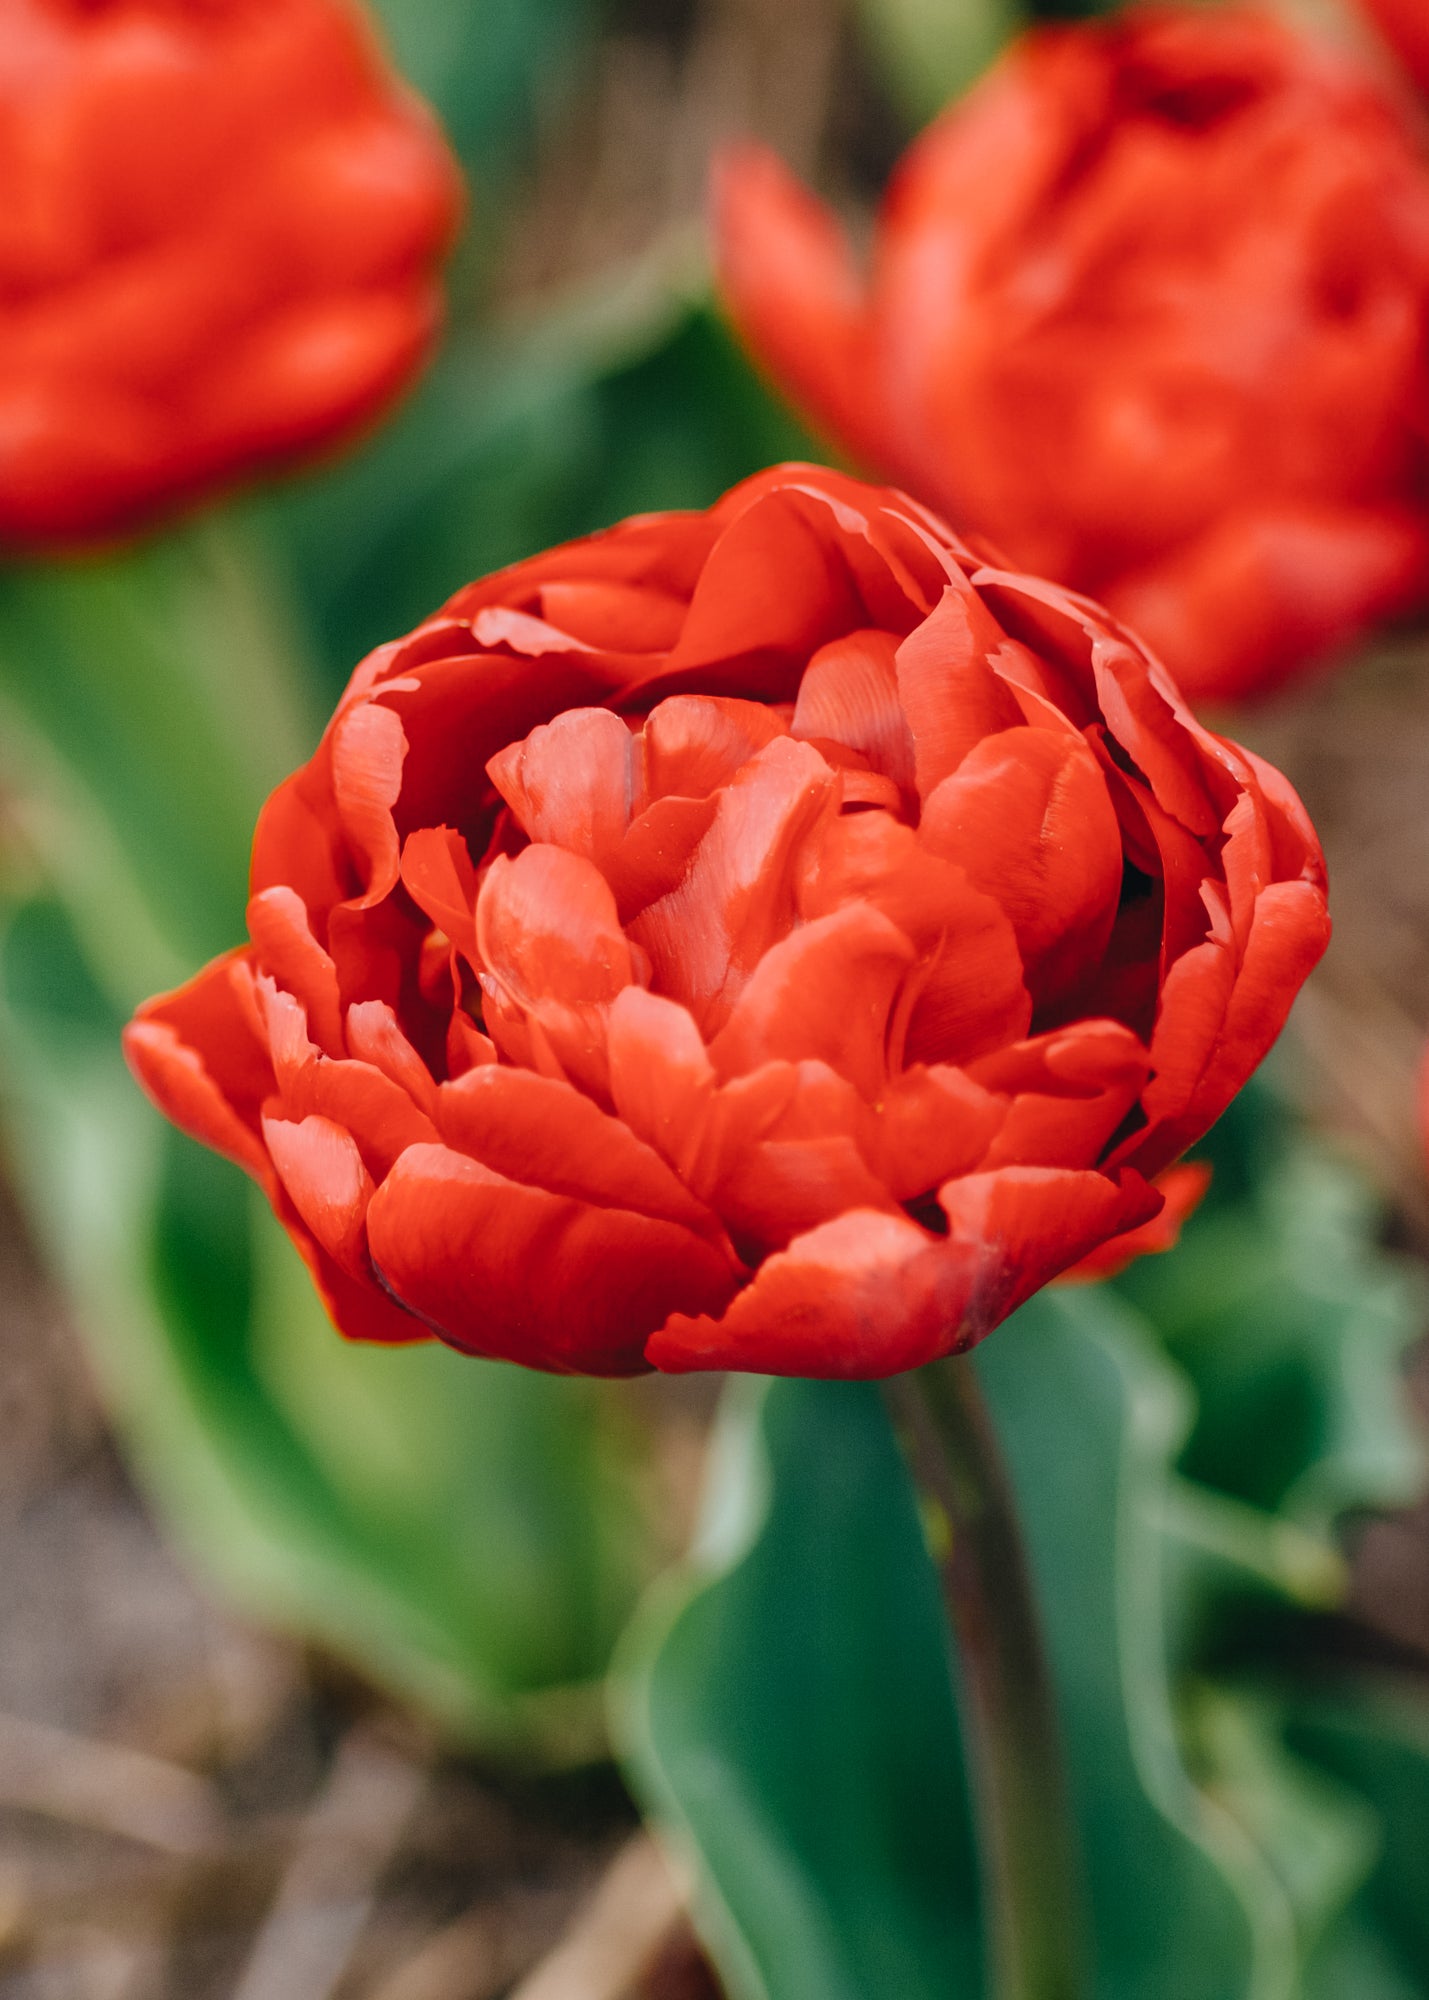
{"x": 521, "y": 1274}
{"x": 869, "y": 1295}
{"x": 358, "y": 1308}
{"x": 864, "y": 1296}
{"x": 1217, "y": 1022}
{"x": 1183, "y": 1189}
{"x": 175, "y": 1080}
{"x": 1029, "y": 1224}
{"x": 200, "y": 1054}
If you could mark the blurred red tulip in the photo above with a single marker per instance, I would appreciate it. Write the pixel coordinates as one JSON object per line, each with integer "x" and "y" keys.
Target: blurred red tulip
{"x": 219, "y": 232}
{"x": 1149, "y": 308}
{"x": 1405, "y": 25}
{"x": 763, "y": 939}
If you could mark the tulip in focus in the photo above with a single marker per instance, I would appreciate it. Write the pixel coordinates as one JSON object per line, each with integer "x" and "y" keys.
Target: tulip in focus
{"x": 768, "y": 938}
{"x": 220, "y": 227}
{"x": 1150, "y": 309}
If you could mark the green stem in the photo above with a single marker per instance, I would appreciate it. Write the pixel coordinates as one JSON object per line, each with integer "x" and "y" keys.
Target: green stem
{"x": 1027, "y": 1842}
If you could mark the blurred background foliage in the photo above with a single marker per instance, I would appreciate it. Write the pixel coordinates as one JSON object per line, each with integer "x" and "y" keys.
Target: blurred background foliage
{"x": 1195, "y": 1448}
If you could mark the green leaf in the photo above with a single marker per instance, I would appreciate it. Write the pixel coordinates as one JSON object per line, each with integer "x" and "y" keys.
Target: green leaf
{"x": 787, "y": 1707}
{"x": 1090, "y": 1419}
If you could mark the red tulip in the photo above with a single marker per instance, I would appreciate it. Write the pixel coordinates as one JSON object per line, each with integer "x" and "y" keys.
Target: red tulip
{"x": 219, "y": 233}
{"x": 1149, "y": 308}
{"x": 767, "y": 938}
{"x": 1405, "y": 25}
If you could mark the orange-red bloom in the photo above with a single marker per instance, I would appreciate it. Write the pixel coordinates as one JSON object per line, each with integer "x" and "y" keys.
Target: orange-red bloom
{"x": 1405, "y": 25}
{"x": 1150, "y": 308}
{"x": 219, "y": 232}
{"x": 767, "y": 938}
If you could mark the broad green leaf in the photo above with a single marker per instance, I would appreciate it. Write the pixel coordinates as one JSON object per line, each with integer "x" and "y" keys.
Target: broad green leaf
{"x": 750, "y": 1728}
{"x": 787, "y": 1708}
{"x": 1090, "y": 1419}
{"x": 471, "y": 1534}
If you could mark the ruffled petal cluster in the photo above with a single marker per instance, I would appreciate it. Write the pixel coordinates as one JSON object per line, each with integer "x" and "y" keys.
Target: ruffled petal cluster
{"x": 770, "y": 938}
{"x": 1150, "y": 307}
{"x": 220, "y": 227}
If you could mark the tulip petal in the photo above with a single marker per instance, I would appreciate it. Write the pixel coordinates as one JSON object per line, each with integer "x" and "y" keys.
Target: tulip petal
{"x": 1028, "y": 816}
{"x": 849, "y": 695}
{"x": 1217, "y": 1021}
{"x": 369, "y": 748}
{"x": 661, "y": 1079}
{"x": 778, "y": 1189}
{"x": 619, "y": 617}
{"x": 692, "y": 744}
{"x": 212, "y": 1015}
{"x": 1266, "y": 592}
{"x": 375, "y": 1037}
{"x": 931, "y": 1124}
{"x": 773, "y": 591}
{"x": 284, "y": 946}
{"x": 518, "y": 1273}
{"x": 1182, "y": 1189}
{"x": 826, "y": 992}
{"x": 174, "y": 1078}
{"x": 949, "y": 693}
{"x": 1029, "y": 1224}
{"x": 545, "y": 1134}
{"x": 571, "y": 781}
{"x": 548, "y": 931}
{"x": 737, "y": 897}
{"x": 438, "y": 876}
{"x": 322, "y": 1171}
{"x": 379, "y": 1114}
{"x": 864, "y": 1296}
